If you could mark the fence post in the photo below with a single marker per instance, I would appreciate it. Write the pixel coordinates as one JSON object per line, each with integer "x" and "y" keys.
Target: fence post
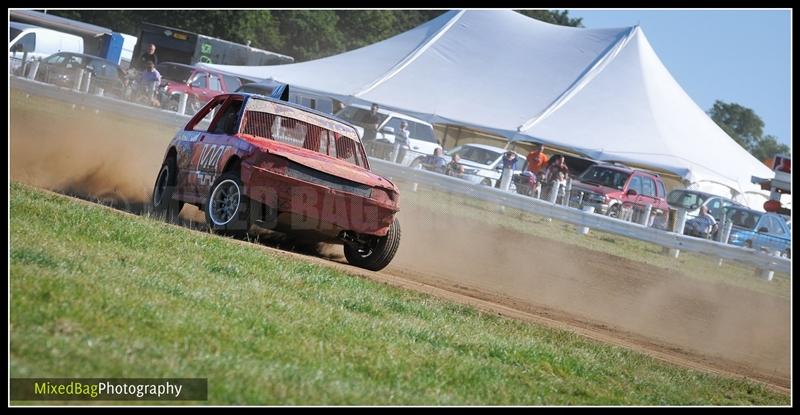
{"x": 567, "y": 193}
{"x": 505, "y": 183}
{"x": 645, "y": 219}
{"x": 78, "y": 80}
{"x": 87, "y": 82}
{"x": 415, "y": 185}
{"x": 553, "y": 195}
{"x": 33, "y": 69}
{"x": 184, "y": 98}
{"x": 680, "y": 223}
{"x": 765, "y": 274}
{"x": 585, "y": 229}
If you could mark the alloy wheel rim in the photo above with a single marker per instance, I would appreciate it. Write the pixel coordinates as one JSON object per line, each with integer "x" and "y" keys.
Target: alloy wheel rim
{"x": 224, "y": 202}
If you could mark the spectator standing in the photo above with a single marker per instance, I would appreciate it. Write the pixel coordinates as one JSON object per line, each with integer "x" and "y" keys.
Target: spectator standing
{"x": 150, "y": 79}
{"x": 401, "y": 142}
{"x": 537, "y": 160}
{"x": 556, "y": 176}
{"x": 435, "y": 162}
{"x": 507, "y": 165}
{"x": 148, "y": 56}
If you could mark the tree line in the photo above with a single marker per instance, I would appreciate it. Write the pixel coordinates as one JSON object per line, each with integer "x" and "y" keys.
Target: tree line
{"x": 302, "y": 34}
{"x": 747, "y": 129}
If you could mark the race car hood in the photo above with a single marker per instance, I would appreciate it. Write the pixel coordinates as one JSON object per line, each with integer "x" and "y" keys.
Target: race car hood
{"x": 321, "y": 162}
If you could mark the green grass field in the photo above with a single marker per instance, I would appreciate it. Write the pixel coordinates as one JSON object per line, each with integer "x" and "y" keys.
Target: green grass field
{"x": 96, "y": 293}
{"x": 693, "y": 265}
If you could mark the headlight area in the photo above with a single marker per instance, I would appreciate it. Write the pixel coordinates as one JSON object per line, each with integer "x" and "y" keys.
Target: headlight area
{"x": 384, "y": 196}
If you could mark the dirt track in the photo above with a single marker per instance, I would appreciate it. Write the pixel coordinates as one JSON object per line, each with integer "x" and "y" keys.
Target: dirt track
{"x": 714, "y": 327}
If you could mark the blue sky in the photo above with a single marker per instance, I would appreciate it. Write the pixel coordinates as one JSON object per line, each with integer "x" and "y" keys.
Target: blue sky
{"x": 741, "y": 56}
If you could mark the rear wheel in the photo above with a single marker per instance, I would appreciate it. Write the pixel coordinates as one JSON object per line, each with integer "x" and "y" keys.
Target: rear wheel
{"x": 164, "y": 189}
{"x": 378, "y": 252}
{"x": 227, "y": 208}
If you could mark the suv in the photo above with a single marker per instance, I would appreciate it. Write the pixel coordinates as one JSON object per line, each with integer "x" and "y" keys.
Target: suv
{"x": 422, "y": 139}
{"x": 64, "y": 68}
{"x": 611, "y": 187}
{"x": 200, "y": 84}
{"x": 278, "y": 166}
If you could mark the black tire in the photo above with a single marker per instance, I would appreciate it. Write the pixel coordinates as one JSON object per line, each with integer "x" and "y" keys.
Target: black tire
{"x": 162, "y": 199}
{"x": 227, "y": 208}
{"x": 380, "y": 255}
{"x": 614, "y": 211}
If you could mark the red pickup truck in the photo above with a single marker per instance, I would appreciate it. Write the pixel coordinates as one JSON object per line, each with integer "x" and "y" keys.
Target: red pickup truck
{"x": 200, "y": 84}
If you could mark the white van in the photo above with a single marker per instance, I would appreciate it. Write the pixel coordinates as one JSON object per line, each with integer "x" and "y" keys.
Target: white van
{"x": 38, "y": 42}
{"x": 422, "y": 140}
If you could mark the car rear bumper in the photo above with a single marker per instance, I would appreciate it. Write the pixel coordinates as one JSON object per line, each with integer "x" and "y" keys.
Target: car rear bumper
{"x": 317, "y": 206}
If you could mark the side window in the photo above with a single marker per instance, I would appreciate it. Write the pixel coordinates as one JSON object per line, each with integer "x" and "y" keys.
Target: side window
{"x": 55, "y": 59}
{"x": 26, "y": 43}
{"x": 204, "y": 117}
{"x": 715, "y": 207}
{"x": 662, "y": 192}
{"x": 774, "y": 226}
{"x": 226, "y": 122}
{"x": 232, "y": 83}
{"x": 520, "y": 163}
{"x": 635, "y": 184}
{"x": 199, "y": 80}
{"x": 648, "y": 187}
{"x": 215, "y": 83}
{"x": 394, "y": 122}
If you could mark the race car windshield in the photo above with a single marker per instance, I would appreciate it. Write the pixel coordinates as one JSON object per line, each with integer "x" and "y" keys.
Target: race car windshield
{"x": 174, "y": 72}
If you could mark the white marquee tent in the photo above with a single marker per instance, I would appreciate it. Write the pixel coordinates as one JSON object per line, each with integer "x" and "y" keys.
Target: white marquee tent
{"x": 600, "y": 92}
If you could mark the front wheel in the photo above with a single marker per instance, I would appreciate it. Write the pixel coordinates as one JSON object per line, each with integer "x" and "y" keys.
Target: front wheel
{"x": 227, "y": 206}
{"x": 614, "y": 211}
{"x": 376, "y": 254}
{"x": 163, "y": 202}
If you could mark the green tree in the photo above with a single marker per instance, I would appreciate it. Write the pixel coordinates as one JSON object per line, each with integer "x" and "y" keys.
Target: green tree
{"x": 769, "y": 147}
{"x": 741, "y": 123}
{"x": 554, "y": 16}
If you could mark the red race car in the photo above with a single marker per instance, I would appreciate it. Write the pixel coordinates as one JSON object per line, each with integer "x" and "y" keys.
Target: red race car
{"x": 250, "y": 160}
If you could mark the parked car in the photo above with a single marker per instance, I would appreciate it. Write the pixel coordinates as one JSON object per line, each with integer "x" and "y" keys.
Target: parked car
{"x": 201, "y": 85}
{"x": 63, "y": 68}
{"x": 482, "y": 163}
{"x": 691, "y": 200}
{"x": 278, "y": 166}
{"x": 610, "y": 187}
{"x": 759, "y": 230}
{"x": 422, "y": 138}
{"x": 36, "y": 42}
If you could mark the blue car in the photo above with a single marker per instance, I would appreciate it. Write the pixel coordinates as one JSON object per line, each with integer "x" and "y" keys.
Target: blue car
{"x": 759, "y": 230}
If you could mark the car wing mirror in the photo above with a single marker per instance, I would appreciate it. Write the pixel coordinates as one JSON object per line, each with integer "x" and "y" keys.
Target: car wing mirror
{"x": 763, "y": 230}
{"x": 631, "y": 192}
{"x": 388, "y": 130}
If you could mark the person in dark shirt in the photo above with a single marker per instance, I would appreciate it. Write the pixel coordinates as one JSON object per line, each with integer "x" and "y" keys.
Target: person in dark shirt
{"x": 371, "y": 124}
{"x": 148, "y": 56}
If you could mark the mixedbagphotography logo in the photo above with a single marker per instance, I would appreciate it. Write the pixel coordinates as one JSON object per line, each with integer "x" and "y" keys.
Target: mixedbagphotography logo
{"x": 109, "y": 389}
